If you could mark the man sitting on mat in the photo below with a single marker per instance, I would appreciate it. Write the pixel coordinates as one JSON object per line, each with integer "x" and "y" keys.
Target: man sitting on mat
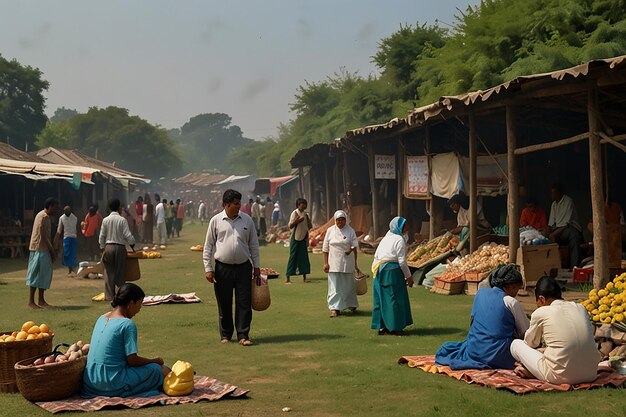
{"x": 564, "y": 329}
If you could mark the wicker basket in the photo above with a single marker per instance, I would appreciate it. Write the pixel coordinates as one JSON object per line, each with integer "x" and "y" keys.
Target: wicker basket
{"x": 51, "y": 382}
{"x": 261, "y": 299}
{"x": 361, "y": 282}
{"x": 13, "y": 352}
{"x": 132, "y": 271}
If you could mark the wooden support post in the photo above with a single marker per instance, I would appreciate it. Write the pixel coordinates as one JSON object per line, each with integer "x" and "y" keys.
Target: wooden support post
{"x": 347, "y": 185}
{"x": 600, "y": 242}
{"x": 337, "y": 184}
{"x": 400, "y": 176}
{"x": 473, "y": 189}
{"x": 373, "y": 188}
{"x": 512, "y": 206}
{"x": 303, "y": 192}
{"x": 327, "y": 192}
{"x": 431, "y": 203}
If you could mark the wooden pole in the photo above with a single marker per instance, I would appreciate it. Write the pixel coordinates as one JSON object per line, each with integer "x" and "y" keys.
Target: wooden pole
{"x": 373, "y": 190}
{"x": 303, "y": 192}
{"x": 400, "y": 176}
{"x": 600, "y": 242}
{"x": 512, "y": 207}
{"x": 473, "y": 189}
{"x": 431, "y": 203}
{"x": 346, "y": 181}
{"x": 550, "y": 145}
{"x": 328, "y": 191}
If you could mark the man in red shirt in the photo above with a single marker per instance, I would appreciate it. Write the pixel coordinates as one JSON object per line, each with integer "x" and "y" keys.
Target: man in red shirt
{"x": 180, "y": 216}
{"x": 533, "y": 215}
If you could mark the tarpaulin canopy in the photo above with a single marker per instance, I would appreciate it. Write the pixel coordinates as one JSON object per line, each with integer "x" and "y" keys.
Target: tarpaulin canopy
{"x": 270, "y": 185}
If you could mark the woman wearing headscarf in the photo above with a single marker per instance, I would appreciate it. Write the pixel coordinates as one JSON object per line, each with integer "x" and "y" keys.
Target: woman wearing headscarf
{"x": 391, "y": 310}
{"x": 299, "y": 224}
{"x": 497, "y": 318}
{"x": 340, "y": 243}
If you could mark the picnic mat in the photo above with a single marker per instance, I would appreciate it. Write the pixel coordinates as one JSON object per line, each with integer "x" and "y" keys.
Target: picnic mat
{"x": 151, "y": 300}
{"x": 506, "y": 379}
{"x": 205, "y": 388}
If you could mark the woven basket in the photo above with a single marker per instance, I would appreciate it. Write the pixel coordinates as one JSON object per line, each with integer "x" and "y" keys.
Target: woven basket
{"x": 361, "y": 282}
{"x": 13, "y": 352}
{"x": 51, "y": 382}
{"x": 132, "y": 271}
{"x": 261, "y": 299}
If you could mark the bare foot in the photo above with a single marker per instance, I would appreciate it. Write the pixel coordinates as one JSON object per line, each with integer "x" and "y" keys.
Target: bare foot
{"x": 522, "y": 372}
{"x": 33, "y": 306}
{"x": 43, "y": 304}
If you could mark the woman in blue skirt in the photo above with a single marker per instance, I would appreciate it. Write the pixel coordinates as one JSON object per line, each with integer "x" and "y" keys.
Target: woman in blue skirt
{"x": 113, "y": 367}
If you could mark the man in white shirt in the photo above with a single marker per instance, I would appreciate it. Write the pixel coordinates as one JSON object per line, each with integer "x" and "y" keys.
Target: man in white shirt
{"x": 202, "y": 212}
{"x": 114, "y": 236}
{"x": 563, "y": 226}
{"x": 564, "y": 329}
{"x": 67, "y": 231}
{"x": 231, "y": 260}
{"x": 160, "y": 221}
{"x": 256, "y": 214}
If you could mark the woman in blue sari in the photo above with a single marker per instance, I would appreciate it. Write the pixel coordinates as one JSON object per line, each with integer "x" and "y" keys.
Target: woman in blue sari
{"x": 391, "y": 311}
{"x": 113, "y": 367}
{"x": 497, "y": 317}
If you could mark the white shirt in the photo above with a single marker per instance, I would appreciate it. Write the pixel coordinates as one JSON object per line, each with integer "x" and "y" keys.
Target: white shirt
{"x": 521, "y": 321}
{"x": 115, "y": 229}
{"x": 336, "y": 243}
{"x": 301, "y": 229}
{"x": 565, "y": 329}
{"x": 392, "y": 249}
{"x": 67, "y": 224}
{"x": 230, "y": 241}
{"x": 563, "y": 213}
{"x": 463, "y": 217}
{"x": 201, "y": 210}
{"x": 160, "y": 213}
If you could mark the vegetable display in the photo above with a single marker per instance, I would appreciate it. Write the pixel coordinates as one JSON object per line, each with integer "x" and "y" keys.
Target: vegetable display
{"x": 29, "y": 331}
{"x": 430, "y": 250}
{"x": 607, "y": 305}
{"x": 484, "y": 260}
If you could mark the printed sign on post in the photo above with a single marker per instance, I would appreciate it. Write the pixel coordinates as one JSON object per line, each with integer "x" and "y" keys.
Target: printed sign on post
{"x": 417, "y": 175}
{"x": 385, "y": 167}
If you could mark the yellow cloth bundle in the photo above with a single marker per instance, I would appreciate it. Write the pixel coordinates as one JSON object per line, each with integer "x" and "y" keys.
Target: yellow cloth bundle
{"x": 179, "y": 381}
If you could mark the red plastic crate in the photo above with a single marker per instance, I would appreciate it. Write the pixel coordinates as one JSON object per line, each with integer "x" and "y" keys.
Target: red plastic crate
{"x": 582, "y": 274}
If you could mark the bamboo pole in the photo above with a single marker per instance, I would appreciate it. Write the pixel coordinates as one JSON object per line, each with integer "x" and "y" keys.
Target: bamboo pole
{"x": 400, "y": 176}
{"x": 550, "y": 145}
{"x": 346, "y": 181}
{"x": 512, "y": 206}
{"x": 473, "y": 191}
{"x": 327, "y": 185}
{"x": 373, "y": 190}
{"x": 600, "y": 242}
{"x": 431, "y": 204}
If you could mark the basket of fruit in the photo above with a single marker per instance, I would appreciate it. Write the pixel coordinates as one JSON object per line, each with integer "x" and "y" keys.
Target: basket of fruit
{"x": 52, "y": 376}
{"x": 31, "y": 340}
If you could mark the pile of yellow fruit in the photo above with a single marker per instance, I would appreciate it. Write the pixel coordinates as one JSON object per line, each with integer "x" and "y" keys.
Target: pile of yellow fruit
{"x": 29, "y": 331}
{"x": 150, "y": 254}
{"x": 608, "y": 304}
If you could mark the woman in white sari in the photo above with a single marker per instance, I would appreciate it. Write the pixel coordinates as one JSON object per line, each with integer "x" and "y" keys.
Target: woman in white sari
{"x": 340, "y": 243}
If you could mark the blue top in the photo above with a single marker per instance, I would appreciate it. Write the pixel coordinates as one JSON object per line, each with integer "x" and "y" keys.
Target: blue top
{"x": 107, "y": 373}
{"x": 489, "y": 339}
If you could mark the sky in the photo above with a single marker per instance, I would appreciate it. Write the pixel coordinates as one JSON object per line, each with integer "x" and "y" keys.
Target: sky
{"x": 167, "y": 61}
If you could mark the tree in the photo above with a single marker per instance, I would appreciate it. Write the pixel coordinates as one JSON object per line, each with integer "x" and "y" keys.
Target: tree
{"x": 63, "y": 115}
{"x": 57, "y": 135}
{"x": 129, "y": 141}
{"x": 207, "y": 139}
{"x": 22, "y": 103}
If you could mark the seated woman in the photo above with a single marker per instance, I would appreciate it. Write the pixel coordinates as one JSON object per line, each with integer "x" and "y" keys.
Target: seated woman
{"x": 564, "y": 329}
{"x": 496, "y": 318}
{"x": 113, "y": 367}
{"x": 391, "y": 311}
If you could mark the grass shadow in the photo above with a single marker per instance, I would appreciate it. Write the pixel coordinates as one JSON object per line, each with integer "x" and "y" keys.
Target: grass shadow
{"x": 435, "y": 331}
{"x": 70, "y": 308}
{"x": 286, "y": 338}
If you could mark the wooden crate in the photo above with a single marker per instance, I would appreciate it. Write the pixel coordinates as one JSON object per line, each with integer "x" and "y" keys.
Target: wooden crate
{"x": 448, "y": 287}
{"x": 536, "y": 261}
{"x": 471, "y": 287}
{"x": 475, "y": 276}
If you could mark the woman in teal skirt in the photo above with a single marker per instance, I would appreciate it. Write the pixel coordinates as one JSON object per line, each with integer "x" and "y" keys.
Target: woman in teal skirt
{"x": 113, "y": 367}
{"x": 391, "y": 311}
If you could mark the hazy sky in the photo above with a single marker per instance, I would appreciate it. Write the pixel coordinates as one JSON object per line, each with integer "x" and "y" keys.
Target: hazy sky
{"x": 169, "y": 60}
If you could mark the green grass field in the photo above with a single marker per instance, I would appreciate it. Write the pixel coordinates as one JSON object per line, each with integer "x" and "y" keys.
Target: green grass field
{"x": 302, "y": 359}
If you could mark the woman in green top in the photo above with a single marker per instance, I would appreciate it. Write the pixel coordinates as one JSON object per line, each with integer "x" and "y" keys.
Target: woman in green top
{"x": 113, "y": 367}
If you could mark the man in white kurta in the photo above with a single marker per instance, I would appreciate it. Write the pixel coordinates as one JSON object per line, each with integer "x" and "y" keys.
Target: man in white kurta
{"x": 339, "y": 249}
{"x": 563, "y": 327}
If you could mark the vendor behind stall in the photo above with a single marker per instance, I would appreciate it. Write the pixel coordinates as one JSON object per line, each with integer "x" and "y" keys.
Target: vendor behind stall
{"x": 563, "y": 226}
{"x": 460, "y": 205}
{"x": 533, "y": 215}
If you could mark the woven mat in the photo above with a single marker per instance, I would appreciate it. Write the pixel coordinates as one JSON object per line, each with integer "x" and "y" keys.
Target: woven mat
{"x": 152, "y": 300}
{"x": 205, "y": 388}
{"x": 506, "y": 379}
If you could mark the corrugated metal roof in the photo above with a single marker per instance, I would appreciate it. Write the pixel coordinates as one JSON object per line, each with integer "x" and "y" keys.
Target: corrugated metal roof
{"x": 200, "y": 179}
{"x": 373, "y": 128}
{"x": 74, "y": 157}
{"x": 9, "y": 152}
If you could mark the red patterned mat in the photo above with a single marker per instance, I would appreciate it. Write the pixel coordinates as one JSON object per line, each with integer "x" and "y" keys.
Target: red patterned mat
{"x": 507, "y": 380}
{"x": 205, "y": 388}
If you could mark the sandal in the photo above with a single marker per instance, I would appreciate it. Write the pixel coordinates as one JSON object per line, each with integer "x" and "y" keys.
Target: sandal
{"x": 383, "y": 332}
{"x": 334, "y": 313}
{"x": 224, "y": 341}
{"x": 246, "y": 342}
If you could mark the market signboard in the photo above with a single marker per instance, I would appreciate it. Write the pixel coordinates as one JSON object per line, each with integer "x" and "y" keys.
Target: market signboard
{"x": 385, "y": 167}
{"x": 417, "y": 176}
